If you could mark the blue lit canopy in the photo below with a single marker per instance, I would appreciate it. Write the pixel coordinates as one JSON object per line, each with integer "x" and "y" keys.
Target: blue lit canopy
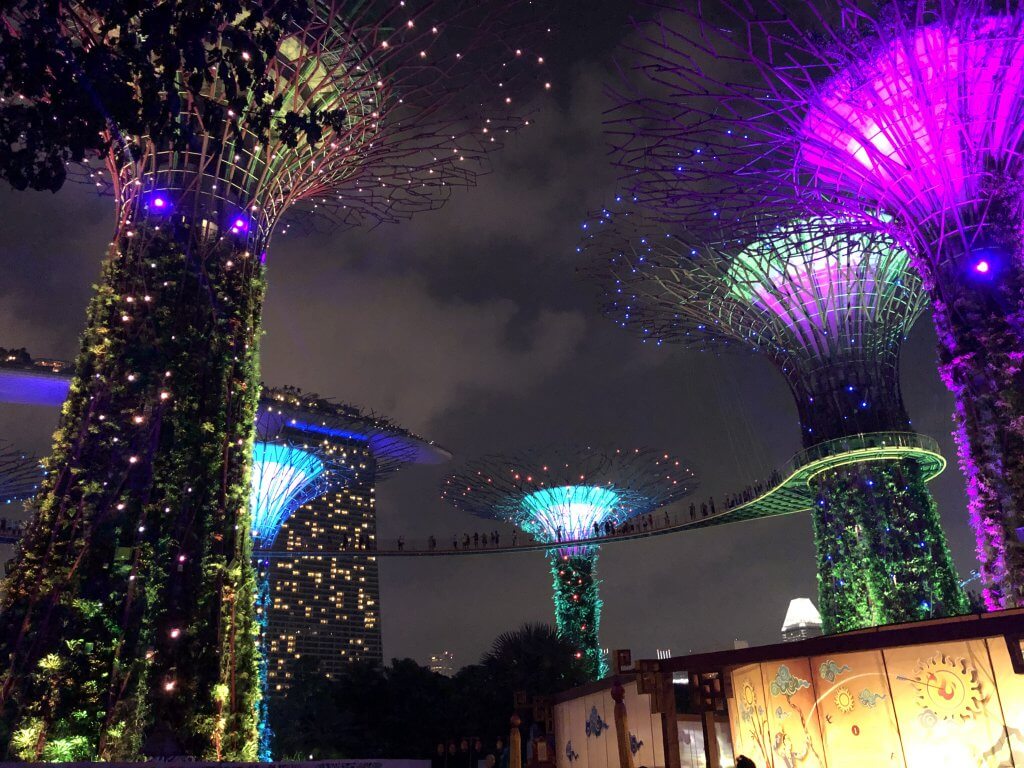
{"x": 568, "y": 512}
{"x": 569, "y": 488}
{"x": 284, "y": 478}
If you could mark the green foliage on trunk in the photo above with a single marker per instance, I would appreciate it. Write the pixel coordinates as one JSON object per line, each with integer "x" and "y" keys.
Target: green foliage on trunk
{"x": 882, "y": 553}
{"x": 130, "y": 609}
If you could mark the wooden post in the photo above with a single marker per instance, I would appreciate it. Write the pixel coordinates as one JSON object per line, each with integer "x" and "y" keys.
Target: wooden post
{"x": 622, "y": 726}
{"x": 515, "y": 747}
{"x": 670, "y": 722}
{"x": 710, "y": 739}
{"x": 709, "y": 695}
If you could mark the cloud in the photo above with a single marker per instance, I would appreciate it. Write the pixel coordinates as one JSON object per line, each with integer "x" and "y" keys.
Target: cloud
{"x": 391, "y": 345}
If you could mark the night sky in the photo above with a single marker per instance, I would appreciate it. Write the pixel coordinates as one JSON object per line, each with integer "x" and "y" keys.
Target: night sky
{"x": 470, "y": 327}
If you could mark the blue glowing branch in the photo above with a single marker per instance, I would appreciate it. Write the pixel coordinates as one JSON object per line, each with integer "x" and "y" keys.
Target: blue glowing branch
{"x": 283, "y": 479}
{"x": 569, "y": 512}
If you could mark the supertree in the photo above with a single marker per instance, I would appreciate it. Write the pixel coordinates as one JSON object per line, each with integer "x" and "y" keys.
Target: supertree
{"x": 288, "y": 470}
{"x": 829, "y": 304}
{"x": 20, "y": 474}
{"x": 903, "y": 114}
{"x": 130, "y": 615}
{"x": 564, "y": 494}
{"x": 310, "y": 446}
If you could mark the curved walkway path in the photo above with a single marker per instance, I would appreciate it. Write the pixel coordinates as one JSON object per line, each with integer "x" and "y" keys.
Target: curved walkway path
{"x": 46, "y": 383}
{"x": 791, "y": 495}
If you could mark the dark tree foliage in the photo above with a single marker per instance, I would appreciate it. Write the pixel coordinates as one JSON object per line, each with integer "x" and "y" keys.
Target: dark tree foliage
{"x": 404, "y": 710}
{"x": 62, "y": 101}
{"x": 535, "y": 658}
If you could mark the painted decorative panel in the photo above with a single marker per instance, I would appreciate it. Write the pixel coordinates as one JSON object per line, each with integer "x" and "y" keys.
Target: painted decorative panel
{"x": 856, "y": 712}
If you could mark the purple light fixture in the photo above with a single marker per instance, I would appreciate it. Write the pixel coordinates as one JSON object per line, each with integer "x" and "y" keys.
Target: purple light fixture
{"x": 158, "y": 202}
{"x": 240, "y": 225}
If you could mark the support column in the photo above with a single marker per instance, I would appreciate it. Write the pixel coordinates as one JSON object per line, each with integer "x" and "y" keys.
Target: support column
{"x": 577, "y": 604}
{"x": 134, "y": 579}
{"x": 892, "y": 539}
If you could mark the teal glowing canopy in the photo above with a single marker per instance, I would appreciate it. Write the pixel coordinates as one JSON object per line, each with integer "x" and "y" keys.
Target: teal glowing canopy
{"x": 569, "y": 512}
{"x": 284, "y": 478}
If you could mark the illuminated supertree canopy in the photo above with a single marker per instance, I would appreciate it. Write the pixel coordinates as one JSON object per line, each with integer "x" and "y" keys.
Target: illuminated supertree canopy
{"x": 830, "y": 305}
{"x": 285, "y": 475}
{"x": 303, "y": 451}
{"x": 561, "y": 495}
{"x": 903, "y": 114}
{"x": 20, "y": 474}
{"x": 217, "y": 126}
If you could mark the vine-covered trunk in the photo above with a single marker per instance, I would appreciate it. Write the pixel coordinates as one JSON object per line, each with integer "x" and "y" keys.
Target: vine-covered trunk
{"x": 887, "y": 541}
{"x": 577, "y": 604}
{"x": 843, "y": 595}
{"x": 128, "y": 622}
{"x": 263, "y": 605}
{"x": 979, "y": 319}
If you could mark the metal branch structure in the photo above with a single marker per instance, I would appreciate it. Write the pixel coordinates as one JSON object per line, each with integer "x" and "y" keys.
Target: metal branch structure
{"x": 830, "y": 304}
{"x": 303, "y": 450}
{"x": 565, "y": 494}
{"x": 905, "y": 115}
{"x": 20, "y": 474}
{"x": 376, "y": 110}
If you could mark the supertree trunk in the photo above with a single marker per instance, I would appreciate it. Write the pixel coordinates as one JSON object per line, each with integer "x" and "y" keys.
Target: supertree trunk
{"x": 577, "y": 604}
{"x": 843, "y": 595}
{"x": 980, "y": 326}
{"x": 263, "y": 604}
{"x": 131, "y": 612}
{"x": 893, "y": 548}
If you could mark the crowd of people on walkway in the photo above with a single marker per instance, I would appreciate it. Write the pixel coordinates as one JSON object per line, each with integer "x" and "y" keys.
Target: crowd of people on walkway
{"x": 641, "y": 524}
{"x": 751, "y": 492}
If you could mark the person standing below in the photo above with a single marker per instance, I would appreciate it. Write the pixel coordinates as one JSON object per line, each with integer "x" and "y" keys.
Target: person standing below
{"x": 440, "y": 758}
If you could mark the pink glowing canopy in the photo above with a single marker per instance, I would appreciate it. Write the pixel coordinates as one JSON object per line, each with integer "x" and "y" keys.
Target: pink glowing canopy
{"x": 811, "y": 275}
{"x": 925, "y": 127}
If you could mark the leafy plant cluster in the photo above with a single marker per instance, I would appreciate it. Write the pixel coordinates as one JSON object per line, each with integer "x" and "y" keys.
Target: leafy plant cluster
{"x": 578, "y": 605}
{"x": 130, "y": 611}
{"x": 76, "y": 78}
{"x": 882, "y": 553}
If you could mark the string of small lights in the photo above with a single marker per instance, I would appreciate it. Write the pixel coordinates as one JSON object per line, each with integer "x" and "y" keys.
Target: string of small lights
{"x": 829, "y": 304}
{"x": 565, "y": 494}
{"x": 906, "y": 120}
{"x": 20, "y": 474}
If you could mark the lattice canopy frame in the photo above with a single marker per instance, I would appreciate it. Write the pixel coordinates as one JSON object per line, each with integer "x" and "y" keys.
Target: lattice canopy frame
{"x": 20, "y": 474}
{"x": 830, "y": 304}
{"x": 622, "y": 483}
{"x": 411, "y": 101}
{"x": 563, "y": 494}
{"x": 906, "y": 115}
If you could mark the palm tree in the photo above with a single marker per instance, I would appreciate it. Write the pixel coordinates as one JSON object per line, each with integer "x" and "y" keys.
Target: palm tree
{"x": 534, "y": 659}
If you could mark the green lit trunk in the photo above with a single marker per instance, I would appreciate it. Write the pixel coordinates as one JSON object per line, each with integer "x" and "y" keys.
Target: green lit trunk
{"x": 843, "y": 596}
{"x": 886, "y": 556}
{"x": 130, "y": 613}
{"x": 577, "y": 604}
